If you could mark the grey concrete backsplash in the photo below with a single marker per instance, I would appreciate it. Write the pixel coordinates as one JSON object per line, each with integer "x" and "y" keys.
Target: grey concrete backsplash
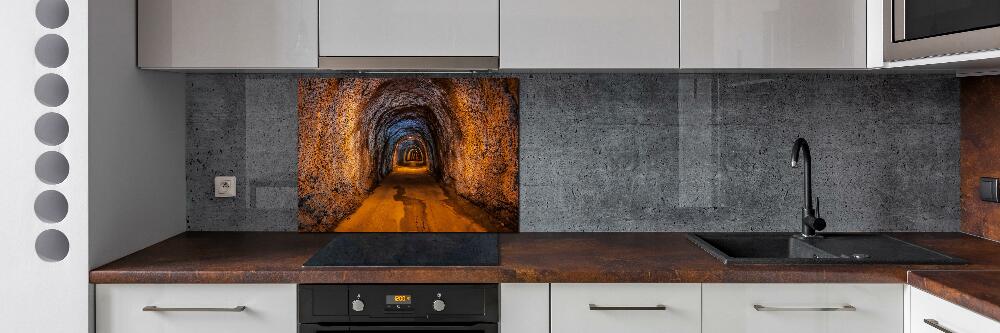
{"x": 639, "y": 152}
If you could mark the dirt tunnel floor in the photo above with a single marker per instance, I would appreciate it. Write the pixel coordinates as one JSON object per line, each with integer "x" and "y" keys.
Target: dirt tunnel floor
{"x": 410, "y": 200}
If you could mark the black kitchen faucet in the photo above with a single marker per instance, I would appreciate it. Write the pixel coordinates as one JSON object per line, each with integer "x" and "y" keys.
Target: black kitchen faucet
{"x": 810, "y": 221}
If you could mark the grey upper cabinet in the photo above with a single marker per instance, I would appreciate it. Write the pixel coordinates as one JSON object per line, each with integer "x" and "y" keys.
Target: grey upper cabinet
{"x": 407, "y": 28}
{"x": 206, "y": 34}
{"x": 589, "y": 34}
{"x": 775, "y": 34}
{"x": 409, "y": 34}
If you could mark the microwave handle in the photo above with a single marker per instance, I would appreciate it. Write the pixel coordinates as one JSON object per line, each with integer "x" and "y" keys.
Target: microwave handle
{"x": 898, "y": 17}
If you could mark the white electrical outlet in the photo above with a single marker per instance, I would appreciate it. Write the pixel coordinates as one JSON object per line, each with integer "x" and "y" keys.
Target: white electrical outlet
{"x": 225, "y": 187}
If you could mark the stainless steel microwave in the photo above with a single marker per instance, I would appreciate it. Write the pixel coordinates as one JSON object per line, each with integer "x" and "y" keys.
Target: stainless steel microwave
{"x": 929, "y": 28}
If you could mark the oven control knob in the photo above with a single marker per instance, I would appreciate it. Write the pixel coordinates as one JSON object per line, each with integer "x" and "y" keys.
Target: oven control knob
{"x": 358, "y": 305}
{"x": 438, "y": 305}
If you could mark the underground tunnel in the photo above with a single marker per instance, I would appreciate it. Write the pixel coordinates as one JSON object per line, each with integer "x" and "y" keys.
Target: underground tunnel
{"x": 408, "y": 154}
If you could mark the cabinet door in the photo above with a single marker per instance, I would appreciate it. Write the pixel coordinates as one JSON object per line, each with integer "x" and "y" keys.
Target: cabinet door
{"x": 626, "y": 307}
{"x": 524, "y": 308}
{"x": 816, "y": 308}
{"x": 586, "y": 34}
{"x": 269, "y": 308}
{"x": 773, "y": 34}
{"x": 227, "y": 33}
{"x": 409, "y": 28}
{"x": 930, "y": 314}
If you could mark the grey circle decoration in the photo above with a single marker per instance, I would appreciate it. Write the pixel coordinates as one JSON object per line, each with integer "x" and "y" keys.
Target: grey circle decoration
{"x": 52, "y": 167}
{"x": 51, "y": 90}
{"x": 52, "y": 13}
{"x": 52, "y": 245}
{"x": 51, "y": 51}
{"x": 51, "y": 206}
{"x": 51, "y": 129}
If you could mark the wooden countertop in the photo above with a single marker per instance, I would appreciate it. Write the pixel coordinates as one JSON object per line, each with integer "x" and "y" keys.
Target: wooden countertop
{"x": 978, "y": 291}
{"x": 277, "y": 257}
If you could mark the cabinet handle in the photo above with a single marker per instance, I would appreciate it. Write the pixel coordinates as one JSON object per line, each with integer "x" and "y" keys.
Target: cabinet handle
{"x": 154, "y": 308}
{"x": 658, "y": 307}
{"x": 848, "y": 307}
{"x": 935, "y": 324}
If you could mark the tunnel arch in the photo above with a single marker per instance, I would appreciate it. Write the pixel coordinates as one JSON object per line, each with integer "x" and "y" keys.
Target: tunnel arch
{"x": 393, "y": 125}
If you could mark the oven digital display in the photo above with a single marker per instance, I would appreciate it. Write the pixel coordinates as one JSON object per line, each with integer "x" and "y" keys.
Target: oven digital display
{"x": 398, "y": 299}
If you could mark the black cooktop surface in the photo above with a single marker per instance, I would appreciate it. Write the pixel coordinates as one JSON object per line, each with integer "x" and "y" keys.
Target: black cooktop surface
{"x": 408, "y": 249}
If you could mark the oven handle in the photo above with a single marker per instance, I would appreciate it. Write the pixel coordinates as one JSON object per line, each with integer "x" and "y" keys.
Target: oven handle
{"x": 483, "y": 327}
{"x": 490, "y": 328}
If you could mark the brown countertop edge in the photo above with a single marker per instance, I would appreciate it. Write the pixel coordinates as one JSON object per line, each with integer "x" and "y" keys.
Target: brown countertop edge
{"x": 978, "y": 291}
{"x": 277, "y": 257}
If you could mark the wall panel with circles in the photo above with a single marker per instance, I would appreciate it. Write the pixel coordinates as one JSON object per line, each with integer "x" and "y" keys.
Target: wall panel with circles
{"x": 45, "y": 240}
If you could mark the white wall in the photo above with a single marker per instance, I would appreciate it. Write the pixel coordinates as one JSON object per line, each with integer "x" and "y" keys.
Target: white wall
{"x": 38, "y": 295}
{"x": 137, "y": 187}
{"x": 125, "y": 126}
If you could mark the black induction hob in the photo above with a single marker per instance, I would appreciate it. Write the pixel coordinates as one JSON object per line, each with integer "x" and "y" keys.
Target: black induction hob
{"x": 408, "y": 249}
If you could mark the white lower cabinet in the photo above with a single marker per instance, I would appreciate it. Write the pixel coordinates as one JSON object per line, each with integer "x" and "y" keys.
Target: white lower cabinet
{"x": 196, "y": 308}
{"x": 625, "y": 307}
{"x": 930, "y": 314}
{"x": 801, "y": 308}
{"x": 569, "y": 308}
{"x": 524, "y": 307}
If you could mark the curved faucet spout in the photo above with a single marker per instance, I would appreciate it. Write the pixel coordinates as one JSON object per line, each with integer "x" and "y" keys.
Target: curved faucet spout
{"x": 800, "y": 145}
{"x": 807, "y": 188}
{"x": 810, "y": 222}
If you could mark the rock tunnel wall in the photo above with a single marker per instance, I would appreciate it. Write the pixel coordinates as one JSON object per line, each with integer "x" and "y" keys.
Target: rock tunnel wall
{"x": 350, "y": 130}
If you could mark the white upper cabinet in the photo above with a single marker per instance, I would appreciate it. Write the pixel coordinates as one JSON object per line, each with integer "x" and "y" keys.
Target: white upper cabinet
{"x": 409, "y": 28}
{"x": 776, "y": 34}
{"x": 227, "y": 33}
{"x": 589, "y": 34}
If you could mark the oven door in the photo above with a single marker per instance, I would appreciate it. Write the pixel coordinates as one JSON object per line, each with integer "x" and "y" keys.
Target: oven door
{"x": 916, "y": 29}
{"x": 474, "y": 328}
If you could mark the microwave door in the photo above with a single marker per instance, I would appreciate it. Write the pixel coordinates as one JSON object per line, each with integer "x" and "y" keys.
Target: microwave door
{"x": 916, "y": 19}
{"x": 928, "y": 28}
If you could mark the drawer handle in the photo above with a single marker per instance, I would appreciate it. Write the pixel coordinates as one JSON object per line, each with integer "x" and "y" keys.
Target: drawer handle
{"x": 935, "y": 324}
{"x": 759, "y": 307}
{"x": 154, "y": 308}
{"x": 658, "y": 307}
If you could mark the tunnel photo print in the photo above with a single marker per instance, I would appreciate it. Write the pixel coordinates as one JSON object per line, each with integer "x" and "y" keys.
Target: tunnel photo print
{"x": 408, "y": 154}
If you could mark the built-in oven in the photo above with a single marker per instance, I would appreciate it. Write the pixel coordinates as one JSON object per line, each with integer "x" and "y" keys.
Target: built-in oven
{"x": 928, "y": 28}
{"x": 387, "y": 308}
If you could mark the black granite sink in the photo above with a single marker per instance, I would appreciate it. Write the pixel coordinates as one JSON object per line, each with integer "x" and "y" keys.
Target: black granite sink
{"x": 785, "y": 248}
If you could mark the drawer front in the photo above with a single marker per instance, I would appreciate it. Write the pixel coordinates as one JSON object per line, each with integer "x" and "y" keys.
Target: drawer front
{"x": 774, "y": 308}
{"x": 946, "y": 315}
{"x": 269, "y": 308}
{"x": 656, "y": 308}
